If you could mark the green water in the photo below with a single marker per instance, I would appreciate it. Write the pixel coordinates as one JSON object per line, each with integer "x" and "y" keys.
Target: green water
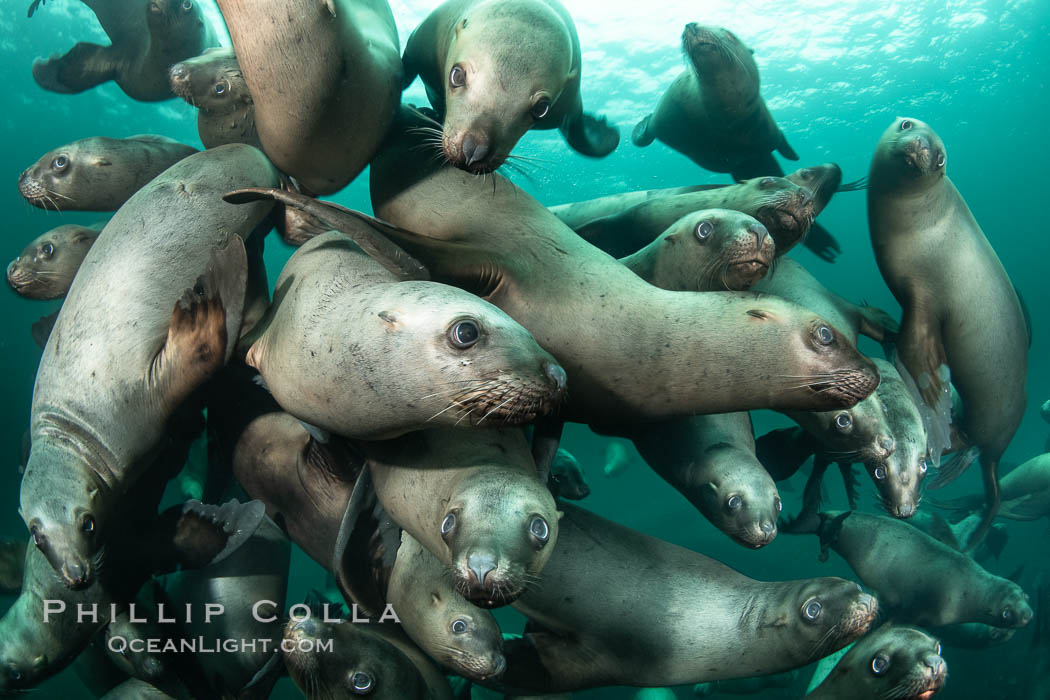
{"x": 834, "y": 75}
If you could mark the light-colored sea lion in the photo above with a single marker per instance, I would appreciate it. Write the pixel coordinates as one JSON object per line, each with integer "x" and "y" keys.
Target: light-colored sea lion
{"x": 891, "y": 662}
{"x": 148, "y": 36}
{"x": 616, "y": 459}
{"x": 12, "y": 564}
{"x": 917, "y": 578}
{"x": 931, "y": 251}
{"x": 701, "y": 621}
{"x": 98, "y": 173}
{"x": 713, "y": 113}
{"x": 1025, "y": 492}
{"x": 337, "y": 318}
{"x": 46, "y": 267}
{"x": 120, "y": 361}
{"x": 325, "y": 78}
{"x": 711, "y": 249}
{"x": 494, "y": 69}
{"x": 474, "y": 500}
{"x": 214, "y": 84}
{"x": 455, "y": 633}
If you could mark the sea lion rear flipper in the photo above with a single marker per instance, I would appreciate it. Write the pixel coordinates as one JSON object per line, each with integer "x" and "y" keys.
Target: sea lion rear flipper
{"x": 81, "y": 68}
{"x": 784, "y": 148}
{"x": 34, "y": 6}
{"x": 783, "y": 451}
{"x": 41, "y": 330}
{"x": 545, "y": 440}
{"x": 954, "y": 468}
{"x": 294, "y": 225}
{"x": 822, "y": 243}
{"x": 194, "y": 535}
{"x": 641, "y": 136}
{"x": 590, "y": 135}
{"x": 364, "y": 230}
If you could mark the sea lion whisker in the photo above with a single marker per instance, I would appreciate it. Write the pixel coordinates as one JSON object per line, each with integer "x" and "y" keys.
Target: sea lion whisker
{"x": 452, "y": 404}
{"x": 465, "y": 415}
{"x": 58, "y": 194}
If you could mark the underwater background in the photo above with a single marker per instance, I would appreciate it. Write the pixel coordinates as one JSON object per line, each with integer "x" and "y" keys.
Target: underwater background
{"x": 834, "y": 74}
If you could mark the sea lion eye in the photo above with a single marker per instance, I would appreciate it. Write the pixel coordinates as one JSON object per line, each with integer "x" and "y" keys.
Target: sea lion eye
{"x": 361, "y": 683}
{"x": 539, "y": 529}
{"x": 843, "y": 421}
{"x": 767, "y": 182}
{"x": 457, "y": 77}
{"x": 464, "y": 334}
{"x": 220, "y": 87}
{"x": 187, "y": 5}
{"x": 540, "y": 109}
{"x": 47, "y": 250}
{"x": 777, "y": 504}
{"x": 905, "y": 124}
{"x": 880, "y": 472}
{"x": 448, "y": 523}
{"x": 941, "y": 161}
{"x": 88, "y": 525}
{"x": 1008, "y": 614}
{"x": 704, "y": 229}
{"x": 825, "y": 335}
{"x": 14, "y": 674}
{"x": 38, "y": 539}
{"x": 60, "y": 162}
{"x": 735, "y": 502}
{"x": 937, "y": 649}
{"x": 806, "y": 173}
{"x": 811, "y": 610}
{"x": 879, "y": 664}
{"x": 459, "y": 626}
{"x": 923, "y": 467}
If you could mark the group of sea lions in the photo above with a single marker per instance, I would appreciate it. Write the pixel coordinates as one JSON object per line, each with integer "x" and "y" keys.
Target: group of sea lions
{"x": 395, "y": 408}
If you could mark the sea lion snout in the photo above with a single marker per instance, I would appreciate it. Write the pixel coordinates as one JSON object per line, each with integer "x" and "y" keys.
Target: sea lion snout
{"x": 557, "y": 375}
{"x": 481, "y": 565}
{"x": 75, "y": 575}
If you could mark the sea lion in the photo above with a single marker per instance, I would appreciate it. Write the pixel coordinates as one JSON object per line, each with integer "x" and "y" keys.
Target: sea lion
{"x": 12, "y": 564}
{"x": 458, "y": 635}
{"x": 930, "y": 251}
{"x": 616, "y": 459}
{"x": 1024, "y": 493}
{"x": 707, "y": 250}
{"x": 957, "y": 534}
{"x": 120, "y": 361}
{"x": 46, "y": 267}
{"x": 325, "y": 79}
{"x": 918, "y": 579}
{"x": 714, "y": 623}
{"x": 713, "y": 113}
{"x": 148, "y": 36}
{"x": 214, "y": 84}
{"x": 98, "y": 173}
{"x": 339, "y": 316}
{"x": 566, "y": 479}
{"x": 494, "y": 69}
{"x": 893, "y": 661}
{"x": 372, "y": 660}
{"x": 474, "y": 500}
{"x": 711, "y": 461}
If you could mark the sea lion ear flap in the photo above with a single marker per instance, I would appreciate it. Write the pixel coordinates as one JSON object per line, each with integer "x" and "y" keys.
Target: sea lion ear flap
{"x": 760, "y": 314}
{"x": 194, "y": 535}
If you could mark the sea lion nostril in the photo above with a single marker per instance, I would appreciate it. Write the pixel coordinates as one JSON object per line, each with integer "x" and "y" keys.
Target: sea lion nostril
{"x": 557, "y": 375}
{"x": 481, "y": 565}
{"x": 886, "y": 443}
{"x": 474, "y": 151}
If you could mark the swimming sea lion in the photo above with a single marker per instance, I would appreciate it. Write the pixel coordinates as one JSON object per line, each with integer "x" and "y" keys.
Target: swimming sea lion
{"x": 1025, "y": 492}
{"x": 214, "y": 84}
{"x": 918, "y": 579}
{"x": 494, "y": 69}
{"x": 458, "y": 635}
{"x": 566, "y": 479}
{"x": 474, "y": 500}
{"x": 337, "y": 315}
{"x": 148, "y": 36}
{"x": 12, "y": 564}
{"x": 714, "y": 623}
{"x": 930, "y": 250}
{"x": 325, "y": 78}
{"x": 713, "y": 112}
{"x": 891, "y": 662}
{"x": 98, "y": 173}
{"x": 120, "y": 361}
{"x": 46, "y": 267}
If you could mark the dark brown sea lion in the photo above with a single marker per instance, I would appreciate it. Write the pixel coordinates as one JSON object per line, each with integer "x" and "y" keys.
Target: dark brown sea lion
{"x": 120, "y": 361}
{"x": 917, "y": 578}
{"x": 701, "y": 620}
{"x": 325, "y": 78}
{"x": 214, "y": 84}
{"x": 148, "y": 37}
{"x": 98, "y": 173}
{"x": 46, "y": 267}
{"x": 891, "y": 662}
{"x": 960, "y": 308}
{"x": 494, "y": 69}
{"x": 713, "y": 112}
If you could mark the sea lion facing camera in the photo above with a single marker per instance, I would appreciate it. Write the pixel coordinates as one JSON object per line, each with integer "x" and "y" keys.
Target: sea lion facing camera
{"x": 214, "y": 84}
{"x": 47, "y": 266}
{"x": 494, "y": 69}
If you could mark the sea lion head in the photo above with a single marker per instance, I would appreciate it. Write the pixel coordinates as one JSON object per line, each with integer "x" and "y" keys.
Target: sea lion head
{"x": 784, "y": 208}
{"x": 211, "y": 82}
{"x": 718, "y": 52}
{"x": 829, "y": 613}
{"x": 467, "y": 640}
{"x": 500, "y": 529}
{"x": 713, "y": 249}
{"x": 506, "y": 66}
{"x": 361, "y": 662}
{"x": 173, "y": 17}
{"x": 892, "y": 662}
{"x": 741, "y": 503}
{"x": 24, "y": 662}
{"x": 859, "y": 433}
{"x": 899, "y": 475}
{"x": 48, "y": 183}
{"x": 1007, "y": 605}
{"x": 822, "y": 181}
{"x": 46, "y": 267}
{"x": 910, "y": 153}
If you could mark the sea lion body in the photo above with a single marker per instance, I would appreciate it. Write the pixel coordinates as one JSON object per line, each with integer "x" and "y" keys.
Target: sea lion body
{"x": 931, "y": 251}
{"x": 148, "y": 37}
{"x": 713, "y": 114}
{"x": 525, "y": 260}
{"x": 567, "y": 479}
{"x": 494, "y": 69}
{"x": 214, "y": 84}
{"x": 46, "y": 267}
{"x": 98, "y": 173}
{"x": 701, "y": 620}
{"x": 892, "y": 661}
{"x": 325, "y": 78}
{"x": 338, "y": 317}
{"x": 119, "y": 362}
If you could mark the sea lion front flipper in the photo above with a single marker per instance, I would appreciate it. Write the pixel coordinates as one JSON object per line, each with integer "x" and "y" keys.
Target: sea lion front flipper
{"x": 783, "y": 451}
{"x": 954, "y": 468}
{"x": 353, "y": 573}
{"x": 822, "y": 243}
{"x": 941, "y": 531}
{"x": 193, "y": 535}
{"x": 877, "y": 324}
{"x": 758, "y": 165}
{"x": 42, "y": 328}
{"x": 81, "y": 68}
{"x": 784, "y": 148}
{"x": 849, "y": 481}
{"x": 641, "y": 136}
{"x": 33, "y": 7}
{"x": 590, "y": 135}
{"x": 545, "y": 440}
{"x": 543, "y": 661}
